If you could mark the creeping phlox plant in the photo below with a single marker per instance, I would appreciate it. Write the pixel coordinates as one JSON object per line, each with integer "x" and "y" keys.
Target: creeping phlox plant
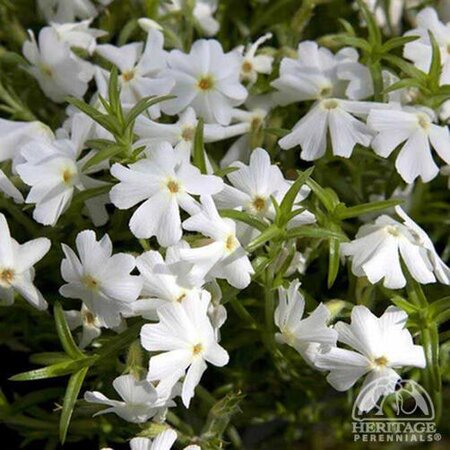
{"x": 220, "y": 220}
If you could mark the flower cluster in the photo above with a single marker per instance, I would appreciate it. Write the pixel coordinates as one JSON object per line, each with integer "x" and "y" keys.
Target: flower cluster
{"x": 181, "y": 227}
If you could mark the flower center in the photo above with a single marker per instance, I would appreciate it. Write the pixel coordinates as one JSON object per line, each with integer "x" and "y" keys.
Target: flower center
{"x": 47, "y": 70}
{"x": 128, "y": 76}
{"x": 423, "y": 121}
{"x": 206, "y": 83}
{"x": 330, "y": 104}
{"x": 256, "y": 123}
{"x": 67, "y": 176}
{"x": 181, "y": 297}
{"x": 381, "y": 361}
{"x": 188, "y": 133}
{"x": 6, "y": 276}
{"x": 197, "y": 348}
{"x": 393, "y": 230}
{"x": 247, "y": 66}
{"x": 259, "y": 204}
{"x": 173, "y": 187}
{"x": 230, "y": 243}
{"x": 325, "y": 91}
{"x": 90, "y": 282}
{"x": 89, "y": 318}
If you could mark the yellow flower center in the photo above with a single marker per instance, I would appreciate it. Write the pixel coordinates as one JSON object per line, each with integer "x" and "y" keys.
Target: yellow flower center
{"x": 67, "y": 176}
{"x": 6, "y": 276}
{"x": 325, "y": 91}
{"x": 90, "y": 282}
{"x": 188, "y": 133}
{"x": 330, "y": 104}
{"x": 259, "y": 204}
{"x": 247, "y": 66}
{"x": 173, "y": 187}
{"x": 89, "y": 318}
{"x": 181, "y": 297}
{"x": 423, "y": 121}
{"x": 205, "y": 83}
{"x": 393, "y": 230}
{"x": 197, "y": 348}
{"x": 128, "y": 76}
{"x": 381, "y": 361}
{"x": 230, "y": 243}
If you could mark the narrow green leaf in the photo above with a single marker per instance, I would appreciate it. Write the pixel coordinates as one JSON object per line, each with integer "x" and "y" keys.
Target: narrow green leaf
{"x": 289, "y": 198}
{"x": 64, "y": 333}
{"x": 80, "y": 197}
{"x": 401, "y": 303}
{"x": 99, "y": 143}
{"x": 333, "y": 261}
{"x": 107, "y": 122}
{"x": 403, "y": 84}
{"x": 327, "y": 197}
{"x": 397, "y": 41}
{"x": 405, "y": 67}
{"x": 365, "y": 208}
{"x": 439, "y": 306}
{"x": 199, "y": 152}
{"x": 72, "y": 391}
{"x": 55, "y": 370}
{"x": 353, "y": 41}
{"x": 267, "y": 235}
{"x": 102, "y": 155}
{"x": 143, "y": 105}
{"x": 375, "y": 38}
{"x": 314, "y": 232}
{"x": 278, "y": 132}
{"x": 435, "y": 71}
{"x": 244, "y": 217}
{"x": 114, "y": 92}
{"x": 225, "y": 171}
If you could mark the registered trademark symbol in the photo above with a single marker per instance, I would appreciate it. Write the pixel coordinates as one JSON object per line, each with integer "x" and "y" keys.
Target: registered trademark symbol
{"x": 437, "y": 436}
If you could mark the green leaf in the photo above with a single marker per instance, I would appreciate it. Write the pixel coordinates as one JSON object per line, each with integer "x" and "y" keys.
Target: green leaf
{"x": 436, "y": 64}
{"x": 333, "y": 261}
{"x": 70, "y": 397}
{"x": 244, "y": 217}
{"x": 114, "y": 92}
{"x": 106, "y": 121}
{"x": 199, "y": 151}
{"x": 55, "y": 370}
{"x": 287, "y": 203}
{"x": 278, "y": 132}
{"x": 102, "y": 155}
{"x": 398, "y": 41}
{"x": 401, "y": 303}
{"x": 439, "y": 306}
{"x": 99, "y": 143}
{"x": 353, "y": 41}
{"x": 375, "y": 38}
{"x": 326, "y": 196}
{"x": 268, "y": 234}
{"x": 365, "y": 208}
{"x": 80, "y": 197}
{"x": 406, "y": 67}
{"x": 225, "y": 171}
{"x": 143, "y": 105}
{"x": 403, "y": 84}
{"x": 314, "y": 232}
{"x": 64, "y": 334}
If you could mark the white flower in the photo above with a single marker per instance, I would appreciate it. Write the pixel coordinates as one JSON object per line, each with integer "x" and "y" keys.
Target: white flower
{"x": 414, "y": 128}
{"x": 15, "y": 134}
{"x": 223, "y": 257}
{"x": 168, "y": 280}
{"x": 166, "y": 185}
{"x": 54, "y": 172}
{"x": 99, "y": 278}
{"x": 57, "y": 70}
{"x": 16, "y": 267}
{"x": 187, "y": 341}
{"x": 253, "y": 64}
{"x": 203, "y": 13}
{"x": 163, "y": 441}
{"x": 8, "y": 189}
{"x": 206, "y": 79}
{"x": 420, "y": 51}
{"x": 141, "y": 401}
{"x": 381, "y": 345}
{"x": 318, "y": 74}
{"x": 140, "y": 69}
{"x": 63, "y": 11}
{"x": 89, "y": 322}
{"x": 389, "y": 16}
{"x": 255, "y": 184}
{"x": 438, "y": 266}
{"x": 258, "y": 108}
{"x": 181, "y": 134}
{"x": 336, "y": 117}
{"x": 377, "y": 249}
{"x": 306, "y": 335}
{"x": 79, "y": 34}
